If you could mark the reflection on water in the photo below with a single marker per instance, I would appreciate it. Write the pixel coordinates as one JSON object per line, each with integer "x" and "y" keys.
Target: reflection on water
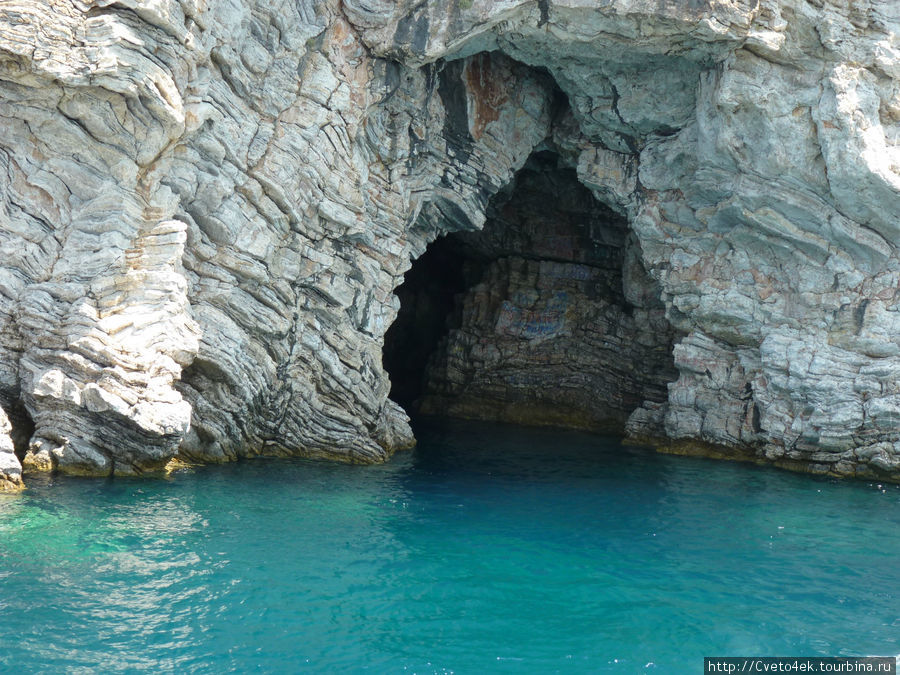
{"x": 488, "y": 548}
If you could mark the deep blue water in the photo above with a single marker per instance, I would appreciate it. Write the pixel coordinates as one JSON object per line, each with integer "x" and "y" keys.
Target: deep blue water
{"x": 489, "y": 548}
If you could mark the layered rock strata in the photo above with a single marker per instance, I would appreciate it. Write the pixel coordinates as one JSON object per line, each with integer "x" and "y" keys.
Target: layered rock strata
{"x": 205, "y": 208}
{"x": 10, "y": 467}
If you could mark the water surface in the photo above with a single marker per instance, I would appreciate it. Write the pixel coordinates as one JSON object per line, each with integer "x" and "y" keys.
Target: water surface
{"x": 488, "y": 549}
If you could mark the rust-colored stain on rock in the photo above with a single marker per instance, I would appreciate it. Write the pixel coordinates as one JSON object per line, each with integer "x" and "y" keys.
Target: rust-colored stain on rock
{"x": 487, "y": 93}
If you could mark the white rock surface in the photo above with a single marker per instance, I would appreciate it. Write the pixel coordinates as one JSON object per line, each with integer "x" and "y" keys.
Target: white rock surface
{"x": 205, "y": 207}
{"x": 10, "y": 467}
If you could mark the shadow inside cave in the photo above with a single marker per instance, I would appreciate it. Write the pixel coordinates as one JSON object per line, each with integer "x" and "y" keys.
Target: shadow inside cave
{"x": 544, "y": 317}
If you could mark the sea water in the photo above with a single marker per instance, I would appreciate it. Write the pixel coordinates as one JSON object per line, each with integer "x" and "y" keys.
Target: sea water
{"x": 487, "y": 549}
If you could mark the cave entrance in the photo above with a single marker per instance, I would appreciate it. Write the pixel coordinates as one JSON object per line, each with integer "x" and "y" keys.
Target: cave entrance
{"x": 545, "y": 316}
{"x": 429, "y": 301}
{"x": 22, "y": 425}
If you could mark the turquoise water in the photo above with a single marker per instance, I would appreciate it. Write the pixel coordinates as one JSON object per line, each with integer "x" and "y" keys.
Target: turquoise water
{"x": 488, "y": 549}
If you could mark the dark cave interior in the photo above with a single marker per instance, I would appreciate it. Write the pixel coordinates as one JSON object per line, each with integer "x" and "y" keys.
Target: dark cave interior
{"x": 528, "y": 320}
{"x": 22, "y": 426}
{"x": 429, "y": 298}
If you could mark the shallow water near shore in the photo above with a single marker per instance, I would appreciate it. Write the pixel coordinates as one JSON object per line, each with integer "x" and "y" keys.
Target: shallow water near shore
{"x": 488, "y": 548}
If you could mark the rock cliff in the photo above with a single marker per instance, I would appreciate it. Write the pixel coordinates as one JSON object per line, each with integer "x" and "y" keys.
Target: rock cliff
{"x": 206, "y": 207}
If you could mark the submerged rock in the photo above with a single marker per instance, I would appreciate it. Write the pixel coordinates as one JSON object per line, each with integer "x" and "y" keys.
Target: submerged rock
{"x": 205, "y": 209}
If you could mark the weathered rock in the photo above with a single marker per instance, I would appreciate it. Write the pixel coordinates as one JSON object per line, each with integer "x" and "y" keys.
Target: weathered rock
{"x": 229, "y": 189}
{"x": 205, "y": 208}
{"x": 10, "y": 467}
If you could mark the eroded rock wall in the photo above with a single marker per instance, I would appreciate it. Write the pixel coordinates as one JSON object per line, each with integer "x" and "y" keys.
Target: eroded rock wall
{"x": 205, "y": 211}
{"x": 752, "y": 146}
{"x": 10, "y": 467}
{"x": 205, "y": 207}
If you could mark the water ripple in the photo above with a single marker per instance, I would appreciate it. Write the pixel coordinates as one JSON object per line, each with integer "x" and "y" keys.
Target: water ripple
{"x": 488, "y": 549}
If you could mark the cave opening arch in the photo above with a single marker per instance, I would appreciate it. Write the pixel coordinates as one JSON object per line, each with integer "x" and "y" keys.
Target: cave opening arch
{"x": 545, "y": 316}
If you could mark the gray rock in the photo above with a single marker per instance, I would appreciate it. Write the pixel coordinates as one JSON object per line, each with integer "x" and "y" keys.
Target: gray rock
{"x": 205, "y": 209}
{"x": 10, "y": 467}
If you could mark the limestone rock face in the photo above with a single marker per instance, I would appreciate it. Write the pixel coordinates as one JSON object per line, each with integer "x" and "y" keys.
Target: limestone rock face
{"x": 10, "y": 467}
{"x": 205, "y": 209}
